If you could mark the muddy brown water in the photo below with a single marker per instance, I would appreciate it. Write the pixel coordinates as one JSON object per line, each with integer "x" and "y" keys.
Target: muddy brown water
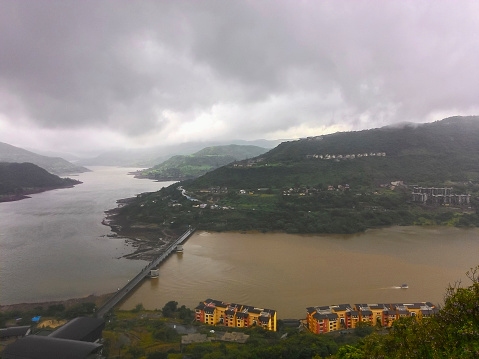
{"x": 292, "y": 272}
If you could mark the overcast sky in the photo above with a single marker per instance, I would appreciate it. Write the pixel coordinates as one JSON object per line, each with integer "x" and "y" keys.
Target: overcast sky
{"x": 86, "y": 75}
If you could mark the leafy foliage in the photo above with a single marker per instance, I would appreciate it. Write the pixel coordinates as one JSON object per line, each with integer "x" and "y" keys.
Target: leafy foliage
{"x": 169, "y": 308}
{"x": 261, "y": 344}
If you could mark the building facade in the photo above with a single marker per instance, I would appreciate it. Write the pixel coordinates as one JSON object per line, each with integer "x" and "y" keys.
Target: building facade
{"x": 330, "y": 318}
{"x": 215, "y": 312}
{"x": 439, "y": 196}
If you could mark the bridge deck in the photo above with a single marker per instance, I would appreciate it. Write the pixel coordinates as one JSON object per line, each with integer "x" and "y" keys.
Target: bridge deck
{"x": 122, "y": 292}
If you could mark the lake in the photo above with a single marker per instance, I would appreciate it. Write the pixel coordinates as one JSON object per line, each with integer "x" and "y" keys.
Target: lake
{"x": 53, "y": 245}
{"x": 291, "y": 272}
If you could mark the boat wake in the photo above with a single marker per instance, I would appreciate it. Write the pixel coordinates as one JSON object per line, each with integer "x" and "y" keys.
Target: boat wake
{"x": 396, "y": 287}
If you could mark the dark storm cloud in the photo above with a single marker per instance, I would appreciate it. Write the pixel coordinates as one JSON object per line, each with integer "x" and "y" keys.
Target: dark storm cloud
{"x": 235, "y": 68}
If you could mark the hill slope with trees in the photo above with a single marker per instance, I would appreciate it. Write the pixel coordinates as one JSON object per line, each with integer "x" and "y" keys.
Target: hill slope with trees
{"x": 19, "y": 179}
{"x": 339, "y": 183}
{"x": 183, "y": 167}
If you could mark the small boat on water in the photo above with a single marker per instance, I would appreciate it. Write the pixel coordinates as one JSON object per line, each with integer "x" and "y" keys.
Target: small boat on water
{"x": 404, "y": 286}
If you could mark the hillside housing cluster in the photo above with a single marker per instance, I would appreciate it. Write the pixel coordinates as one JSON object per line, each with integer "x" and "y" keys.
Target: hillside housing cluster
{"x": 346, "y": 157}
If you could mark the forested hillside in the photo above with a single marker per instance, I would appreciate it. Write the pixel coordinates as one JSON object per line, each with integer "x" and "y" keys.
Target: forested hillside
{"x": 427, "y": 154}
{"x": 19, "y": 179}
{"x": 191, "y": 166}
{"x": 340, "y": 183}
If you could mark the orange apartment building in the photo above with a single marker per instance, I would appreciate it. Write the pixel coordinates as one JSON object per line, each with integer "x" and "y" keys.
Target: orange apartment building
{"x": 344, "y": 316}
{"x": 215, "y": 312}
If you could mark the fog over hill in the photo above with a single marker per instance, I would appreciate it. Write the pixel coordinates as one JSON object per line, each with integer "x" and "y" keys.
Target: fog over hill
{"x": 182, "y": 167}
{"x": 55, "y": 165}
{"x": 451, "y": 136}
{"x": 152, "y": 156}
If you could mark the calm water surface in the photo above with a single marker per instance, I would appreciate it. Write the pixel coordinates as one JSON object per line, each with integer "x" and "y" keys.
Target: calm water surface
{"x": 290, "y": 272}
{"x": 53, "y": 245}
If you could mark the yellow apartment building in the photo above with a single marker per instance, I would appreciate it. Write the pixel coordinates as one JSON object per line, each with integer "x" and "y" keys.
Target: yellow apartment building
{"x": 332, "y": 317}
{"x": 215, "y": 312}
{"x": 329, "y": 318}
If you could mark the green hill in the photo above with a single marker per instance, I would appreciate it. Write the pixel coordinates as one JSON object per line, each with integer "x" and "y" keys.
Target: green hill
{"x": 340, "y": 183}
{"x": 428, "y": 154}
{"x": 56, "y": 165}
{"x": 20, "y": 179}
{"x": 191, "y": 166}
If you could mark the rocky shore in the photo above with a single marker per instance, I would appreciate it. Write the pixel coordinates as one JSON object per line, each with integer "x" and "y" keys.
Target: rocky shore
{"x": 25, "y": 193}
{"x": 13, "y": 197}
{"x": 148, "y": 239}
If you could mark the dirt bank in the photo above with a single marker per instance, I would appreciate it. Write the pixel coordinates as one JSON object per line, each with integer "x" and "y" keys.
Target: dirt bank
{"x": 97, "y": 299}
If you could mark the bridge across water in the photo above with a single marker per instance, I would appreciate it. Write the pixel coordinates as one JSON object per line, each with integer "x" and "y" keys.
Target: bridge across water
{"x": 122, "y": 292}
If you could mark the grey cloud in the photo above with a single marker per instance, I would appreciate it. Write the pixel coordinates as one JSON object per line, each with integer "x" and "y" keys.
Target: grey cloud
{"x": 122, "y": 65}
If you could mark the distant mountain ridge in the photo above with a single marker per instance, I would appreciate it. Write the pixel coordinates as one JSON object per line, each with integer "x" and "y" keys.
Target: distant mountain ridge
{"x": 20, "y": 179}
{"x": 150, "y": 157}
{"x": 55, "y": 165}
{"x": 191, "y": 166}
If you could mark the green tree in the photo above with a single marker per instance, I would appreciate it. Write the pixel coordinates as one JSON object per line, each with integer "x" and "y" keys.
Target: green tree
{"x": 185, "y": 314}
{"x": 80, "y": 310}
{"x": 349, "y": 352}
{"x": 138, "y": 308}
{"x": 135, "y": 352}
{"x": 169, "y": 309}
{"x": 165, "y": 334}
{"x": 157, "y": 355}
{"x": 55, "y": 309}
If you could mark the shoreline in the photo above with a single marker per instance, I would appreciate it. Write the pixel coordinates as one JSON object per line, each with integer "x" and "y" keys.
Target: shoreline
{"x": 26, "y": 194}
{"x": 92, "y": 298}
{"x": 148, "y": 239}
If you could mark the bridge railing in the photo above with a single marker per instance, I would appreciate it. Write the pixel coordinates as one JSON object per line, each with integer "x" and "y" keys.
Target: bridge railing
{"x": 121, "y": 293}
